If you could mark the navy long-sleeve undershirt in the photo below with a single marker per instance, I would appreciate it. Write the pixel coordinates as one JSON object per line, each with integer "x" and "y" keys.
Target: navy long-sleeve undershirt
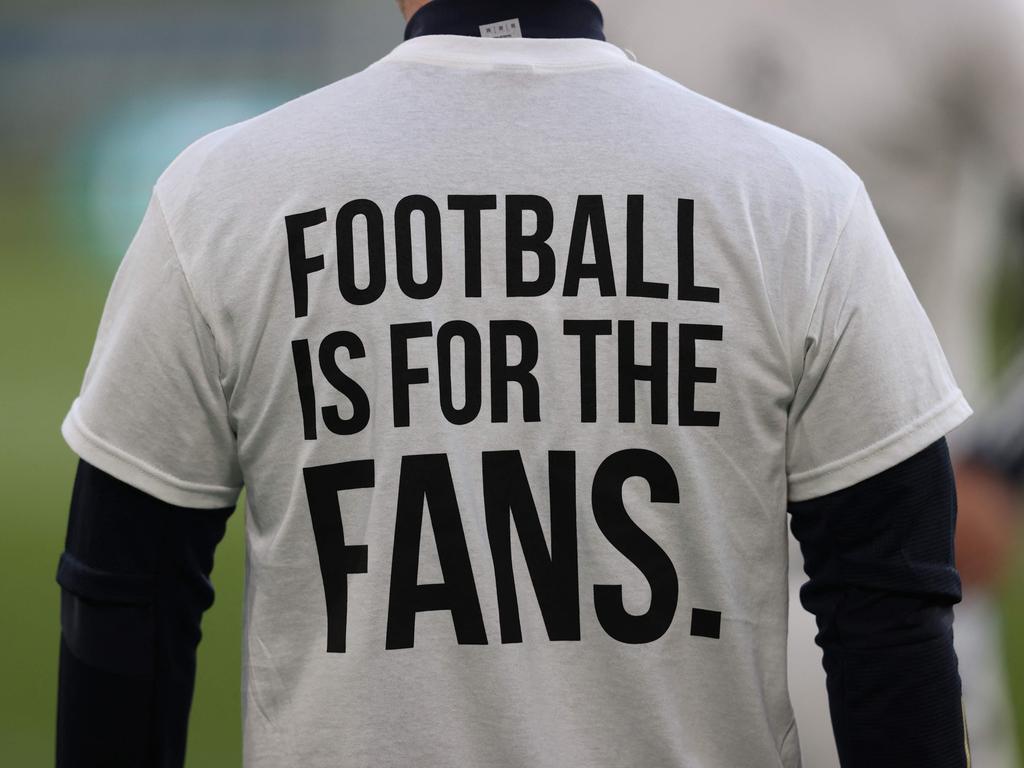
{"x": 134, "y": 578}
{"x": 882, "y": 584}
{"x": 879, "y": 557}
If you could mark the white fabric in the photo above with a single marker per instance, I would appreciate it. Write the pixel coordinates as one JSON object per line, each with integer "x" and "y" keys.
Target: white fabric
{"x": 827, "y": 371}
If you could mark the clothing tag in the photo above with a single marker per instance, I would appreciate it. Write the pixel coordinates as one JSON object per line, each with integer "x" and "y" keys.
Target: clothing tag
{"x": 506, "y": 28}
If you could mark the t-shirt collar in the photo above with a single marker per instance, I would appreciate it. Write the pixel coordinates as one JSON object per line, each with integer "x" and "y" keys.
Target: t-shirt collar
{"x": 533, "y": 18}
{"x": 577, "y": 52}
{"x": 554, "y": 33}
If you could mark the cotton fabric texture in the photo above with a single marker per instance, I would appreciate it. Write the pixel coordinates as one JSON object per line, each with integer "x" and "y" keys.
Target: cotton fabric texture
{"x": 797, "y": 333}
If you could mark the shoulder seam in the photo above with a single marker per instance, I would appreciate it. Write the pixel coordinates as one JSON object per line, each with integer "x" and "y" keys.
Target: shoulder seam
{"x": 188, "y": 285}
{"x": 835, "y": 249}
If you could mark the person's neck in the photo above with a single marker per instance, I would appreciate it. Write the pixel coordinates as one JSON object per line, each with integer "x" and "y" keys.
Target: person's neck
{"x": 534, "y": 18}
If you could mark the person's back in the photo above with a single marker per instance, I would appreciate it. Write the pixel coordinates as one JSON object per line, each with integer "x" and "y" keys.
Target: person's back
{"x": 520, "y": 350}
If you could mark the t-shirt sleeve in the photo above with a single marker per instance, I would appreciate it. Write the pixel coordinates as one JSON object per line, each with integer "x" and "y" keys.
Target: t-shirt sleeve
{"x": 875, "y": 387}
{"x": 152, "y": 411}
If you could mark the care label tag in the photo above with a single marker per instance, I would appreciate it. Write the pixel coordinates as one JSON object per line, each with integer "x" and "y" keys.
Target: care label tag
{"x": 506, "y": 28}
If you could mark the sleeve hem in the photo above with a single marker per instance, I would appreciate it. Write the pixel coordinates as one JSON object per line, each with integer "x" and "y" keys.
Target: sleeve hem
{"x": 883, "y": 454}
{"x": 138, "y": 473}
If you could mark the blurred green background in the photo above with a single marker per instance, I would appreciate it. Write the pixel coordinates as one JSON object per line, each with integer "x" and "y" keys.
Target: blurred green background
{"x": 96, "y": 101}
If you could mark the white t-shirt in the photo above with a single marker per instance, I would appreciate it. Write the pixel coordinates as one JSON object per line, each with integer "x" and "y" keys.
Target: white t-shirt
{"x": 519, "y": 349}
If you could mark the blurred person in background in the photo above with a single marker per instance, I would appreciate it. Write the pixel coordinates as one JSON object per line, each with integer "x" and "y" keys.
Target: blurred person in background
{"x": 925, "y": 101}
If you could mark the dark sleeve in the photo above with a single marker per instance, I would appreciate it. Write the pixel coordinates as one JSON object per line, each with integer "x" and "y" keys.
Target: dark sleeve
{"x": 134, "y": 577}
{"x": 882, "y": 585}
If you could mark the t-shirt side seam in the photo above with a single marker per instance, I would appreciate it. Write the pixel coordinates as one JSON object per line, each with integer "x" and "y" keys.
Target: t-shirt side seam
{"x": 147, "y": 469}
{"x": 954, "y": 398}
{"x": 791, "y": 729}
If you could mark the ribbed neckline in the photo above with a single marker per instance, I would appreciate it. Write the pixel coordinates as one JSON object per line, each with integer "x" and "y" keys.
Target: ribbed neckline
{"x": 533, "y": 18}
{"x": 538, "y": 52}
